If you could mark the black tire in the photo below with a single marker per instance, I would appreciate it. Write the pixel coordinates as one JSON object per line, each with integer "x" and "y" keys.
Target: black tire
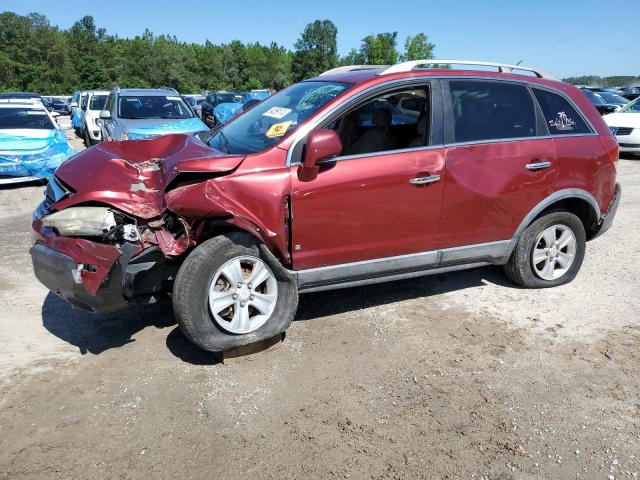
{"x": 520, "y": 269}
{"x": 86, "y": 138}
{"x": 191, "y": 293}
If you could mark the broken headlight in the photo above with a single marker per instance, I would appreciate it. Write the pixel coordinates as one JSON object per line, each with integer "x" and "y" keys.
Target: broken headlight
{"x": 81, "y": 221}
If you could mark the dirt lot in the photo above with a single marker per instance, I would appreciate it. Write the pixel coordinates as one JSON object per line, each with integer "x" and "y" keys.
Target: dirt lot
{"x": 461, "y": 376}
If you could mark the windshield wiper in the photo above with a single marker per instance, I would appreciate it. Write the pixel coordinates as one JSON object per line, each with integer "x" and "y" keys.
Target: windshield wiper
{"x": 173, "y": 118}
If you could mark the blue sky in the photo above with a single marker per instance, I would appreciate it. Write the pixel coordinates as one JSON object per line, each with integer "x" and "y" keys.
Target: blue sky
{"x": 564, "y": 37}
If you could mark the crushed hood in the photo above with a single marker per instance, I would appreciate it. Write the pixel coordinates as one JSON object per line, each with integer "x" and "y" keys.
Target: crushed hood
{"x": 132, "y": 175}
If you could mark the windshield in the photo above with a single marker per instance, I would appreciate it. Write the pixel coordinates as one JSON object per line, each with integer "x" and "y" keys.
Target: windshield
{"x": 57, "y": 101}
{"x": 153, "y": 106}
{"x": 276, "y": 117}
{"x": 228, "y": 98}
{"x": 97, "y": 102}
{"x": 633, "y": 107}
{"x": 613, "y": 98}
{"x": 24, "y": 118}
{"x": 594, "y": 97}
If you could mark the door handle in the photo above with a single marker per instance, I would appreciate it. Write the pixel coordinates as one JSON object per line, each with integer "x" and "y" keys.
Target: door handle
{"x": 424, "y": 180}
{"x": 535, "y": 166}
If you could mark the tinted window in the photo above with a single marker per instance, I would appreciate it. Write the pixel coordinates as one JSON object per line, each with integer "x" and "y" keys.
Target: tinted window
{"x": 24, "y": 118}
{"x": 491, "y": 111}
{"x": 561, "y": 117}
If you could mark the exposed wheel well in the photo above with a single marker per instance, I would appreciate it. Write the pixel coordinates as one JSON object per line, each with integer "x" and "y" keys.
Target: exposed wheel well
{"x": 579, "y": 207}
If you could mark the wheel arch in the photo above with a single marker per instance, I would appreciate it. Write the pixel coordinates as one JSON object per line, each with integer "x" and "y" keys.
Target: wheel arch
{"x": 215, "y": 227}
{"x": 575, "y": 200}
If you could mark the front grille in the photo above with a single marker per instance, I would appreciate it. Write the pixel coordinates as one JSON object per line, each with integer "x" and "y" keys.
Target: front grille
{"x": 624, "y": 131}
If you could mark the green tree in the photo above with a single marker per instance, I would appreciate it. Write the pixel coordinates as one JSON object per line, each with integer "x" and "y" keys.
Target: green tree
{"x": 316, "y": 50}
{"x": 380, "y": 49}
{"x": 418, "y": 47}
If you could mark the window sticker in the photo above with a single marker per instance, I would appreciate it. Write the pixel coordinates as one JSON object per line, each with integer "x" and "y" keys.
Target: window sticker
{"x": 277, "y": 112}
{"x": 278, "y": 129}
{"x": 173, "y": 98}
{"x": 36, "y": 112}
{"x": 562, "y": 122}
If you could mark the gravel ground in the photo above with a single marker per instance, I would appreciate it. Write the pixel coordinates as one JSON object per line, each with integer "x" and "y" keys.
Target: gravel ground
{"x": 462, "y": 376}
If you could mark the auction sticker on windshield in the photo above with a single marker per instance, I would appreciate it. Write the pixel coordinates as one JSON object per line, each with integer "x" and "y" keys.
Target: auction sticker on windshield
{"x": 278, "y": 129}
{"x": 277, "y": 112}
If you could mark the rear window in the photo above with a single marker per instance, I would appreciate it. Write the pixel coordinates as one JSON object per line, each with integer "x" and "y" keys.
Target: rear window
{"x": 24, "y": 118}
{"x": 491, "y": 111}
{"x": 560, "y": 116}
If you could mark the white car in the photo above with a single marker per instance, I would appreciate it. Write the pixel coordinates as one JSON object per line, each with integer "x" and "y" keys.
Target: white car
{"x": 96, "y": 100}
{"x": 625, "y": 125}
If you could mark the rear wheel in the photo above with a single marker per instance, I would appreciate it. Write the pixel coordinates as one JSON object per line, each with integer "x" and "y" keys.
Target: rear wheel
{"x": 229, "y": 293}
{"x": 549, "y": 252}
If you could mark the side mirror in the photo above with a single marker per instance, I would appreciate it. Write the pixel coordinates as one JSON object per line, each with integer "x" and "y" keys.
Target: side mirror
{"x": 105, "y": 114}
{"x": 73, "y": 104}
{"x": 321, "y": 145}
{"x": 55, "y": 114}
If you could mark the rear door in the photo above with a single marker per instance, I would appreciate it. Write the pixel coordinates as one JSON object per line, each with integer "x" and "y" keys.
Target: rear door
{"x": 500, "y": 160}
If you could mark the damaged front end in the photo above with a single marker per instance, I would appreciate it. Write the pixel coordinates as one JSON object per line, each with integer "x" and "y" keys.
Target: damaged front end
{"x": 103, "y": 236}
{"x": 101, "y": 259}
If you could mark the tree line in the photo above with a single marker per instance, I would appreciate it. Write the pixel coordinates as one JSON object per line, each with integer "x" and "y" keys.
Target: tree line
{"x": 37, "y": 56}
{"x": 597, "y": 81}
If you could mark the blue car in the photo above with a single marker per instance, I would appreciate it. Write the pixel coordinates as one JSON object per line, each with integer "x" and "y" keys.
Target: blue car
{"x": 32, "y": 146}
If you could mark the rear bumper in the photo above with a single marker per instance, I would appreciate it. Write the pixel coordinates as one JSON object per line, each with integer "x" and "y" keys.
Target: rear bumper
{"x": 607, "y": 218}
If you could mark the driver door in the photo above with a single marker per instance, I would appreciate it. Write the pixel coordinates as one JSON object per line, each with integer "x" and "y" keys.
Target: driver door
{"x": 374, "y": 205}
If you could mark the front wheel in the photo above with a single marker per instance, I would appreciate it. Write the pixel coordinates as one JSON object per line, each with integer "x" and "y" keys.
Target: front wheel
{"x": 549, "y": 252}
{"x": 229, "y": 292}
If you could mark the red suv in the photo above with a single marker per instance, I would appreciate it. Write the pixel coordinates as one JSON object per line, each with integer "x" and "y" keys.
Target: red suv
{"x": 361, "y": 175}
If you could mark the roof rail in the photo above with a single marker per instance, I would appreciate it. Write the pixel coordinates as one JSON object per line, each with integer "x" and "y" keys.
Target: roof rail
{"x": 167, "y": 88}
{"x": 351, "y": 68}
{"x": 502, "y": 67}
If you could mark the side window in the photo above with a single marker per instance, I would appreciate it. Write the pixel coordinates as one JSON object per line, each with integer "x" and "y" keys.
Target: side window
{"x": 83, "y": 102}
{"x": 384, "y": 124}
{"x": 109, "y": 104}
{"x": 485, "y": 110}
{"x": 561, "y": 117}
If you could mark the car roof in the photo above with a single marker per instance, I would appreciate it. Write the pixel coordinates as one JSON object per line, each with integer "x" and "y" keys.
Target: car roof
{"x": 19, "y": 95}
{"x": 358, "y": 74}
{"x": 146, "y": 91}
{"x": 21, "y": 103}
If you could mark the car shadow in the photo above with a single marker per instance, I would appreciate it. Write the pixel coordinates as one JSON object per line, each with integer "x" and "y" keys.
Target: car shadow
{"x": 96, "y": 333}
{"x": 320, "y": 304}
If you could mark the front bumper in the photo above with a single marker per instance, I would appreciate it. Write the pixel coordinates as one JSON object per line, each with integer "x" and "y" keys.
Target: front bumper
{"x": 100, "y": 277}
{"x": 63, "y": 276}
{"x": 607, "y": 219}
